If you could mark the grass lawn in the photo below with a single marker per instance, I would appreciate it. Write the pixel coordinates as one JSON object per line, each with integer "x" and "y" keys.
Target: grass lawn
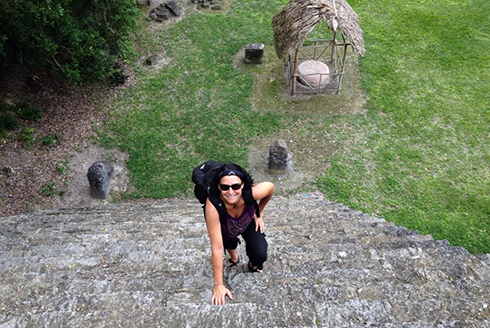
{"x": 421, "y": 155}
{"x": 197, "y": 107}
{"x": 418, "y": 157}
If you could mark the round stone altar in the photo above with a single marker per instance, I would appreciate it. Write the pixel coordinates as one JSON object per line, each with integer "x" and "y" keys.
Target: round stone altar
{"x": 313, "y": 73}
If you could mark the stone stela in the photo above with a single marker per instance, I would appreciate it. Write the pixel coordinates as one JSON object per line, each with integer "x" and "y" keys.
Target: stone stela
{"x": 98, "y": 175}
{"x": 280, "y": 160}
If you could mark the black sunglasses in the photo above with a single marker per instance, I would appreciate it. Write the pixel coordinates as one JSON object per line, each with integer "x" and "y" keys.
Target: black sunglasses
{"x": 235, "y": 186}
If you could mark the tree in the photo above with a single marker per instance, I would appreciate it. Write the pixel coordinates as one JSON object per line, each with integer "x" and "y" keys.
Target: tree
{"x": 79, "y": 39}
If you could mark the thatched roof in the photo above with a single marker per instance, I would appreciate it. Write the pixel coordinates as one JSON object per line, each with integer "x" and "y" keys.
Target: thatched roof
{"x": 298, "y": 18}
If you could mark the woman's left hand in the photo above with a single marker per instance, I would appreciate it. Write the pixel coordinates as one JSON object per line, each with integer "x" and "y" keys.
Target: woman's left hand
{"x": 259, "y": 223}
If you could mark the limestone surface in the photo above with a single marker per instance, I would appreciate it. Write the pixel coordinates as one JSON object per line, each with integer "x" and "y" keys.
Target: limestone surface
{"x": 313, "y": 73}
{"x": 148, "y": 265}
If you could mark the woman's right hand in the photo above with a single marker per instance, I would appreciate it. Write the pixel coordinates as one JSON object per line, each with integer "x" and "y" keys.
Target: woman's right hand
{"x": 219, "y": 294}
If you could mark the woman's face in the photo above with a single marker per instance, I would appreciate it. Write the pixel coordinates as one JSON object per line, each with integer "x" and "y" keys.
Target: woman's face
{"x": 230, "y": 196}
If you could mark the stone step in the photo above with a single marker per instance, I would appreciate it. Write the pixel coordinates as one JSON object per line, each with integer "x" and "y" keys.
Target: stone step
{"x": 134, "y": 256}
{"x": 148, "y": 264}
{"x": 405, "y": 304}
{"x": 428, "y": 280}
{"x": 354, "y": 314}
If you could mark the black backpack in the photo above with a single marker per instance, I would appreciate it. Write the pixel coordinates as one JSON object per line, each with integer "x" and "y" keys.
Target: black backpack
{"x": 203, "y": 175}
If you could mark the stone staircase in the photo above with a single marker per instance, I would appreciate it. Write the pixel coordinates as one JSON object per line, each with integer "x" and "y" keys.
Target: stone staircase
{"x": 148, "y": 265}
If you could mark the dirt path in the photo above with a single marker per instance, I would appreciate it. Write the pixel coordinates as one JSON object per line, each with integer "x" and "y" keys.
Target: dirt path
{"x": 35, "y": 175}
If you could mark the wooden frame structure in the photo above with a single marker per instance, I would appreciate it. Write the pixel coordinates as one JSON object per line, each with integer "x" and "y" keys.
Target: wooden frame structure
{"x": 333, "y": 53}
{"x": 295, "y": 21}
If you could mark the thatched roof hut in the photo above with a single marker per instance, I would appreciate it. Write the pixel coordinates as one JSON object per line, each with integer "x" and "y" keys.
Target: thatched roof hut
{"x": 298, "y": 18}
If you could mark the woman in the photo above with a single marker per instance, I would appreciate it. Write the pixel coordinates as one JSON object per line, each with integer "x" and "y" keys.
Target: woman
{"x": 232, "y": 191}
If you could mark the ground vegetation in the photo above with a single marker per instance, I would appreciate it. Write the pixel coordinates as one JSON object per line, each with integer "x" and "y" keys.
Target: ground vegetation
{"x": 416, "y": 154}
{"x": 81, "y": 40}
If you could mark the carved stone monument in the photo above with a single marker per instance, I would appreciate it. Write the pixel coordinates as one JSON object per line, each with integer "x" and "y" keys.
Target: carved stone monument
{"x": 280, "y": 160}
{"x": 98, "y": 175}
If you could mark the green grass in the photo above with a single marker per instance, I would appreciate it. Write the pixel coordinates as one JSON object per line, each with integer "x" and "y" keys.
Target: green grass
{"x": 196, "y": 108}
{"x": 419, "y": 157}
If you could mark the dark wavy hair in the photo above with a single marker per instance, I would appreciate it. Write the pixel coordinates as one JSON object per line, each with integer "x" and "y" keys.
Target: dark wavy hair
{"x": 247, "y": 178}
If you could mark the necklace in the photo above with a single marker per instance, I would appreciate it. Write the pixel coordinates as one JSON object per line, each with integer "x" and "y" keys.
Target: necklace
{"x": 236, "y": 204}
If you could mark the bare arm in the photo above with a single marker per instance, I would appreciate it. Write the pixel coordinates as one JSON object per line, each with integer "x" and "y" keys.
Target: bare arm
{"x": 214, "y": 231}
{"x": 262, "y": 192}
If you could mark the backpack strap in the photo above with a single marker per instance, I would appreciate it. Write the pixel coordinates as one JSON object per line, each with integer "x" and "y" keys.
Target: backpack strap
{"x": 220, "y": 207}
{"x": 249, "y": 200}
{"x": 218, "y": 204}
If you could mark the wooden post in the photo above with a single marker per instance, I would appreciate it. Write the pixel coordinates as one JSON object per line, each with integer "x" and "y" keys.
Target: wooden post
{"x": 343, "y": 69}
{"x": 344, "y": 57}
{"x": 295, "y": 72}
{"x": 332, "y": 57}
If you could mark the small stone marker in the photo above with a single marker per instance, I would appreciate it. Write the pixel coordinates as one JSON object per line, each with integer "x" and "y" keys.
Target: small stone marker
{"x": 98, "y": 176}
{"x": 279, "y": 157}
{"x": 254, "y": 53}
{"x": 152, "y": 60}
{"x": 172, "y": 6}
{"x": 208, "y": 4}
{"x": 8, "y": 171}
{"x": 164, "y": 10}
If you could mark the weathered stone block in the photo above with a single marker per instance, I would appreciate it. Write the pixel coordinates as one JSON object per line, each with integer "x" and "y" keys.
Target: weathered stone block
{"x": 153, "y": 60}
{"x": 172, "y": 7}
{"x": 164, "y": 10}
{"x": 98, "y": 175}
{"x": 279, "y": 157}
{"x": 8, "y": 171}
{"x": 254, "y": 53}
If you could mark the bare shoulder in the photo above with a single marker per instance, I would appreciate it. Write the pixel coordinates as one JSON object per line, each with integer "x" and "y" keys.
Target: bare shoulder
{"x": 210, "y": 212}
{"x": 262, "y": 190}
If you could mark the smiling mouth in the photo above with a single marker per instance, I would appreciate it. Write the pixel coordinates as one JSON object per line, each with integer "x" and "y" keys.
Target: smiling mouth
{"x": 230, "y": 196}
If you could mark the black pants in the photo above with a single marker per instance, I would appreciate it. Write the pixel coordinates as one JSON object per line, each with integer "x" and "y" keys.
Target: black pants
{"x": 256, "y": 245}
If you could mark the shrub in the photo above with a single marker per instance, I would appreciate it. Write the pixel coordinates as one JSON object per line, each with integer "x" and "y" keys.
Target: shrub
{"x": 80, "y": 39}
{"x": 4, "y": 108}
{"x": 27, "y": 136}
{"x": 7, "y": 123}
{"x": 27, "y": 112}
{"x": 49, "y": 190}
{"x": 51, "y": 140}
